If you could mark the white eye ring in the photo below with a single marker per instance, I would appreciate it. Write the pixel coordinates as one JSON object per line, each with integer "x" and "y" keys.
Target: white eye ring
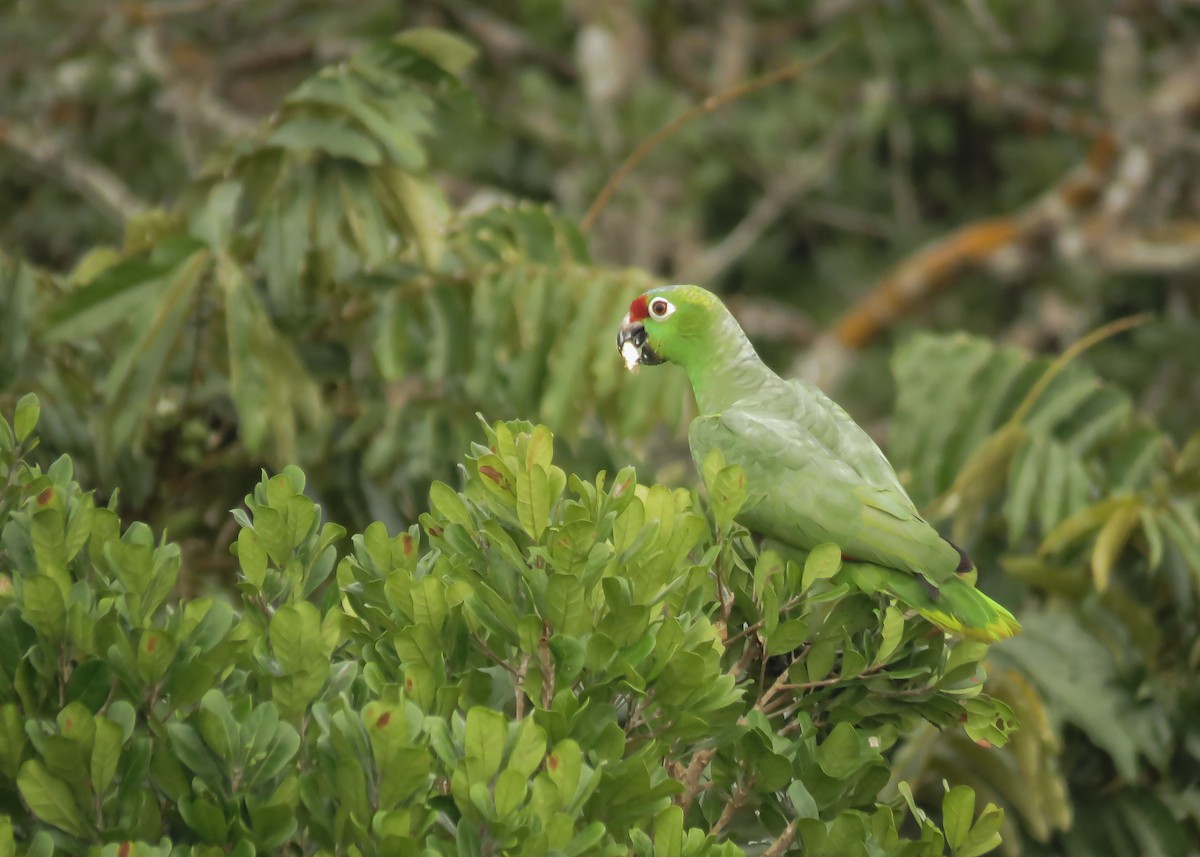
{"x": 660, "y": 308}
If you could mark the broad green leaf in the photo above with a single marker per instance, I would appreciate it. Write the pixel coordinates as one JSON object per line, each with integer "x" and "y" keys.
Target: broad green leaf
{"x": 823, "y": 562}
{"x": 985, "y": 835}
{"x": 448, "y": 50}
{"x": 564, "y": 765}
{"x": 511, "y": 789}
{"x": 567, "y": 609}
{"x": 787, "y": 636}
{"x": 668, "y": 832}
{"x": 25, "y": 418}
{"x": 958, "y": 811}
{"x": 43, "y": 607}
{"x": 302, "y": 134}
{"x": 155, "y": 652}
{"x": 447, "y": 502}
{"x": 486, "y": 732}
{"x": 51, "y": 799}
{"x": 843, "y": 752}
{"x": 728, "y": 493}
{"x": 296, "y": 638}
{"x": 106, "y": 752}
{"x": 529, "y": 749}
{"x": 802, "y": 801}
{"x": 533, "y": 500}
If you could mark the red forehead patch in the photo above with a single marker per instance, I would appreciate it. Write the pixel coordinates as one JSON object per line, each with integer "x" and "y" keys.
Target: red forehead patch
{"x": 639, "y": 310}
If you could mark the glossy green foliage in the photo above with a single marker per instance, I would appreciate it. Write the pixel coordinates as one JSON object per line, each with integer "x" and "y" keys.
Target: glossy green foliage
{"x": 542, "y": 666}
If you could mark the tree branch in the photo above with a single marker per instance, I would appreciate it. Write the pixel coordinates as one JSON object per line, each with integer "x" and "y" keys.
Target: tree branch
{"x": 91, "y": 180}
{"x": 190, "y": 102}
{"x": 813, "y": 167}
{"x": 783, "y": 842}
{"x": 708, "y": 105}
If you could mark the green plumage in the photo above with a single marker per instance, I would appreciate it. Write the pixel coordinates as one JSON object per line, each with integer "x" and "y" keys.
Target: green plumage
{"x": 817, "y": 476}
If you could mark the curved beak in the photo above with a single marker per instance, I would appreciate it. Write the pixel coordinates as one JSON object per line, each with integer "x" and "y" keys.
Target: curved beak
{"x": 632, "y": 343}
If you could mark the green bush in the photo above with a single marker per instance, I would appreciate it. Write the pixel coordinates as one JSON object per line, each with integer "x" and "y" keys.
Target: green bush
{"x": 545, "y": 665}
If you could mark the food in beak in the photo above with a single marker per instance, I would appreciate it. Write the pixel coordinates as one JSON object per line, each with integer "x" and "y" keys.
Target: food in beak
{"x": 635, "y": 350}
{"x": 633, "y": 357}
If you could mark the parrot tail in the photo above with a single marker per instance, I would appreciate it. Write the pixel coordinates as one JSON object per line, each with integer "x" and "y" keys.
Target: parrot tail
{"x": 956, "y": 606}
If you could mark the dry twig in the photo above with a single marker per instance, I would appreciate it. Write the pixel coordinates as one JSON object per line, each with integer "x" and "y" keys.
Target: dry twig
{"x": 92, "y": 180}
{"x": 708, "y": 105}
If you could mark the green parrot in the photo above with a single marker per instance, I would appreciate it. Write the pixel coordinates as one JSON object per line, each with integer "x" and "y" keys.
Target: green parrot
{"x": 815, "y": 476}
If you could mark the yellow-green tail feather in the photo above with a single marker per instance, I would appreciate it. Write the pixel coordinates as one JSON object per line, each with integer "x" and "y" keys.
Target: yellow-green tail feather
{"x": 957, "y": 608}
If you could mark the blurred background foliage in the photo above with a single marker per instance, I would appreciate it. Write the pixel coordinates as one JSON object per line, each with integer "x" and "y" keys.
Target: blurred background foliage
{"x": 244, "y": 234}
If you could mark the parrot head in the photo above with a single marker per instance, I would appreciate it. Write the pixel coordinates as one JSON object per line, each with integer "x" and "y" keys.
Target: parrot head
{"x": 670, "y": 323}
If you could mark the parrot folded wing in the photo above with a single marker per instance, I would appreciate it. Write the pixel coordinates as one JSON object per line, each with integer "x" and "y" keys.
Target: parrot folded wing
{"x": 812, "y": 496}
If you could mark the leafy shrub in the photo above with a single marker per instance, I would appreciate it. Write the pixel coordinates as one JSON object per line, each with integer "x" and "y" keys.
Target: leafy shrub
{"x": 543, "y": 665}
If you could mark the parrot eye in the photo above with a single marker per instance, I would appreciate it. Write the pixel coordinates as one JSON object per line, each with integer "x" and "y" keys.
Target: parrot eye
{"x": 660, "y": 308}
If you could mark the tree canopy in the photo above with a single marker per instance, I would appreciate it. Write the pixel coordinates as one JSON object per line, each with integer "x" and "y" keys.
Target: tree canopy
{"x": 301, "y": 246}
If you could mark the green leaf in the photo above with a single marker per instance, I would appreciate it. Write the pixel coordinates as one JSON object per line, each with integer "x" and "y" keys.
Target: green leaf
{"x": 418, "y": 209}
{"x": 533, "y": 500}
{"x": 843, "y": 752}
{"x": 296, "y": 638}
{"x": 26, "y": 416}
{"x": 728, "y": 493}
{"x": 335, "y": 139}
{"x": 447, "y": 503}
{"x": 155, "y": 652}
{"x": 566, "y": 604}
{"x": 985, "y": 835}
{"x": 787, "y": 636}
{"x": 1111, "y": 540}
{"x": 13, "y": 738}
{"x": 448, "y": 50}
{"x": 564, "y": 765}
{"x": 8, "y": 845}
{"x": 802, "y": 801}
{"x": 134, "y": 378}
{"x": 529, "y": 749}
{"x": 1080, "y": 524}
{"x": 116, "y": 293}
{"x": 958, "y": 811}
{"x": 511, "y": 789}
{"x": 668, "y": 832}
{"x": 823, "y": 562}
{"x": 890, "y": 634}
{"x": 486, "y": 733}
{"x": 106, "y": 752}
{"x": 50, "y": 799}
{"x": 43, "y": 607}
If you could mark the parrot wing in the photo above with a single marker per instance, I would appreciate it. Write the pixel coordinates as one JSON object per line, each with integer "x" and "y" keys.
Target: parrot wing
{"x": 837, "y": 431}
{"x": 810, "y": 494}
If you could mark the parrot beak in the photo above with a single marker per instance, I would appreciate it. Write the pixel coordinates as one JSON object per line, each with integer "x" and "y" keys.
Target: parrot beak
{"x": 632, "y": 343}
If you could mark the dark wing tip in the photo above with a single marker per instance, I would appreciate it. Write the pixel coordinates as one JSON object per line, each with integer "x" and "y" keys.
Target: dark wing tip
{"x": 964, "y": 561}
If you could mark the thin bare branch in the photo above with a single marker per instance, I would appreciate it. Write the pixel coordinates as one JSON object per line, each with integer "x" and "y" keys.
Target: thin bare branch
{"x": 776, "y": 199}
{"x": 708, "y": 105}
{"x": 91, "y": 180}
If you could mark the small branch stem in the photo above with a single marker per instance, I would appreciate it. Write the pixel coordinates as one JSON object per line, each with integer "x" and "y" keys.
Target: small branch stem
{"x": 783, "y": 842}
{"x": 708, "y": 105}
